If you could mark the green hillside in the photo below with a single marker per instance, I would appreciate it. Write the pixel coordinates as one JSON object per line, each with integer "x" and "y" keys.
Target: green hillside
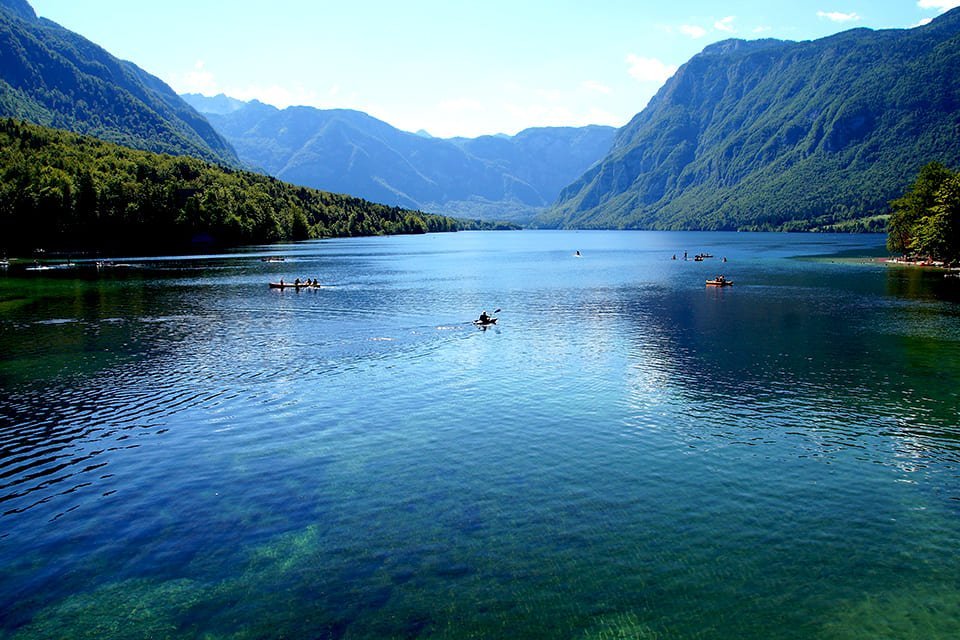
{"x": 67, "y": 192}
{"x": 781, "y": 135}
{"x": 54, "y": 77}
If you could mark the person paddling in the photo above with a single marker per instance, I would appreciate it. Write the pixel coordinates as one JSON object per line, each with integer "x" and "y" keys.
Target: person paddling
{"x": 484, "y": 318}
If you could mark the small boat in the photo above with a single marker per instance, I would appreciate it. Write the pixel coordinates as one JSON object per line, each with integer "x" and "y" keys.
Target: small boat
{"x": 291, "y": 285}
{"x": 490, "y": 322}
{"x": 272, "y": 259}
{"x": 719, "y": 282}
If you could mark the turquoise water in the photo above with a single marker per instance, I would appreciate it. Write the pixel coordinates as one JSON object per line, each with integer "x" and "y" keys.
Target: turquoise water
{"x": 185, "y": 452}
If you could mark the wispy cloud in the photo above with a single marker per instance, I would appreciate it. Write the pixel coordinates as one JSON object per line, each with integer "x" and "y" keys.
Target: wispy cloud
{"x": 693, "y": 30}
{"x": 649, "y": 69}
{"x": 201, "y": 80}
{"x": 596, "y": 87}
{"x": 838, "y": 16}
{"x": 939, "y": 5}
{"x": 725, "y": 24}
{"x": 196, "y": 80}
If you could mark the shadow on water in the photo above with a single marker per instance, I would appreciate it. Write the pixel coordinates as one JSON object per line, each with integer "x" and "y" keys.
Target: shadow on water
{"x": 915, "y": 283}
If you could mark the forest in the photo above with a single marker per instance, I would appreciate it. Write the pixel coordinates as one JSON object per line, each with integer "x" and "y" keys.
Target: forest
{"x": 67, "y": 192}
{"x": 924, "y": 223}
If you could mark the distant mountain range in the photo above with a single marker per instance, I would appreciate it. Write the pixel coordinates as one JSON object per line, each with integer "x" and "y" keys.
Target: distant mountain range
{"x": 505, "y": 177}
{"x": 781, "y": 135}
{"x": 54, "y": 77}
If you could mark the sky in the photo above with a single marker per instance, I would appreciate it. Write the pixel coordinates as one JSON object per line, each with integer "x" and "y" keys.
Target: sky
{"x": 452, "y": 67}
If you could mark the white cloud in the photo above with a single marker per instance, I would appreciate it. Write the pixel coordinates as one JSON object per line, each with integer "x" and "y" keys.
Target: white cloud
{"x": 692, "y": 30}
{"x": 923, "y": 22}
{"x": 837, "y": 16}
{"x": 196, "y": 80}
{"x": 200, "y": 80}
{"x": 649, "y": 69}
{"x": 725, "y": 24}
{"x": 939, "y": 5}
{"x": 596, "y": 87}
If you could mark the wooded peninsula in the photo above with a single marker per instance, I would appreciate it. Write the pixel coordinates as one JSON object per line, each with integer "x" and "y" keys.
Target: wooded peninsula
{"x": 924, "y": 223}
{"x": 66, "y": 192}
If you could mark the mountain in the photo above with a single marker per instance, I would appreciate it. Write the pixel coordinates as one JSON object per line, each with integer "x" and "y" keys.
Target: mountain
{"x": 54, "y": 77}
{"x": 781, "y": 135}
{"x": 351, "y": 152}
{"x": 219, "y": 104}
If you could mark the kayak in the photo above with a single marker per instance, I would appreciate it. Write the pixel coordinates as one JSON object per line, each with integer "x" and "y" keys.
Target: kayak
{"x": 485, "y": 324}
{"x": 290, "y": 285}
{"x": 719, "y": 283}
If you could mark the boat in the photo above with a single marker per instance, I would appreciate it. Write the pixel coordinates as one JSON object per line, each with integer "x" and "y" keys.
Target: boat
{"x": 490, "y": 322}
{"x": 272, "y": 259}
{"x": 291, "y": 285}
{"x": 719, "y": 282}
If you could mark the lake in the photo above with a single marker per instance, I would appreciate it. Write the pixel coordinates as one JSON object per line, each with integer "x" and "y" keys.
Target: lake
{"x": 627, "y": 453}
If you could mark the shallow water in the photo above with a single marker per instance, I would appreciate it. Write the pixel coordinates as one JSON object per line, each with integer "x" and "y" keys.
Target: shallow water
{"x": 185, "y": 452}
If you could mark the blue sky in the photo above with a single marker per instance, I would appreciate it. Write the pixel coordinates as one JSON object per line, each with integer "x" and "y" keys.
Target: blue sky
{"x": 450, "y": 67}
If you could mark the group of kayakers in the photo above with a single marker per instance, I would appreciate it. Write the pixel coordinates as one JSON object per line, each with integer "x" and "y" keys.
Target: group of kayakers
{"x": 306, "y": 282}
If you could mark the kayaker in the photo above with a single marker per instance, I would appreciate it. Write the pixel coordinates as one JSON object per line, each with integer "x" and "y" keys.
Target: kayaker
{"x": 484, "y": 318}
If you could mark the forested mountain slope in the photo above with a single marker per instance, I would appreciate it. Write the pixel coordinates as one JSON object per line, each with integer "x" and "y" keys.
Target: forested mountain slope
{"x": 781, "y": 135}
{"x": 54, "y": 77}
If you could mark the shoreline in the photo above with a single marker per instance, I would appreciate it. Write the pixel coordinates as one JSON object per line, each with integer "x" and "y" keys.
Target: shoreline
{"x": 929, "y": 264}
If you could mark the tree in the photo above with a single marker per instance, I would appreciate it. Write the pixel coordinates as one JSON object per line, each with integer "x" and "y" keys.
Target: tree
{"x": 910, "y": 209}
{"x": 938, "y": 234}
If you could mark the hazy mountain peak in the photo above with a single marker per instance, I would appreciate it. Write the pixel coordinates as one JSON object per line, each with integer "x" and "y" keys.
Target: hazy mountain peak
{"x": 219, "y": 103}
{"x": 349, "y": 151}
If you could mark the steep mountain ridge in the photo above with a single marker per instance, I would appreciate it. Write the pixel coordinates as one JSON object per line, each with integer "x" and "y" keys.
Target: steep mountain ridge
{"x": 780, "y": 135}
{"x": 54, "y": 77}
{"x": 505, "y": 177}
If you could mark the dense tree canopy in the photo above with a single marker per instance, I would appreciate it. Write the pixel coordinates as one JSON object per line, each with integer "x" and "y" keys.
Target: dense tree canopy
{"x": 925, "y": 221}
{"x": 60, "y": 190}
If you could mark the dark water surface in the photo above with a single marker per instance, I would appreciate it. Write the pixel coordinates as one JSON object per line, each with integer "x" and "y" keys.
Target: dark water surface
{"x": 185, "y": 452}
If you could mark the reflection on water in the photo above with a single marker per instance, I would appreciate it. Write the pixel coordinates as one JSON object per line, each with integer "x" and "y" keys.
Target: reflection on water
{"x": 184, "y": 451}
